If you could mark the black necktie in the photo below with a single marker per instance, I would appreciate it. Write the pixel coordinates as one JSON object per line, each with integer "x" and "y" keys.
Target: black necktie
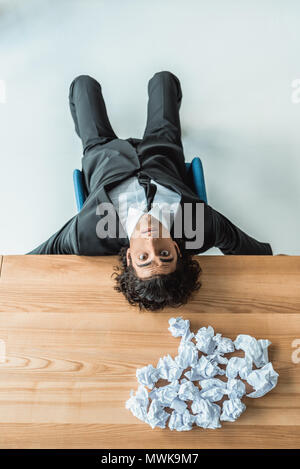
{"x": 150, "y": 188}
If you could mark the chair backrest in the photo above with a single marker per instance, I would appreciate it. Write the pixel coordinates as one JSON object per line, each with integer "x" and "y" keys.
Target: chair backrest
{"x": 195, "y": 168}
{"x": 78, "y": 188}
{"x": 194, "y": 171}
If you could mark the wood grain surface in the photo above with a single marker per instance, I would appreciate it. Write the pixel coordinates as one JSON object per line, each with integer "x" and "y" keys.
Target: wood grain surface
{"x": 73, "y": 345}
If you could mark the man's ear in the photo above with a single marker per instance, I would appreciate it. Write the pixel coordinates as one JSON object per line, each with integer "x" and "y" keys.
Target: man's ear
{"x": 128, "y": 257}
{"x": 177, "y": 249}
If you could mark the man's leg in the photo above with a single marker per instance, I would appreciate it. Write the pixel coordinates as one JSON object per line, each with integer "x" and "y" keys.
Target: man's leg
{"x": 162, "y": 136}
{"x": 89, "y": 112}
{"x": 164, "y": 102}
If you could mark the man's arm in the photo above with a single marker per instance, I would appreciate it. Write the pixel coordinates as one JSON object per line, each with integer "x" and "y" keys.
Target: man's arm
{"x": 232, "y": 240}
{"x": 64, "y": 241}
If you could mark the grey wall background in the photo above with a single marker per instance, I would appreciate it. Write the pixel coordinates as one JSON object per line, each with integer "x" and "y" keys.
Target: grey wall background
{"x": 236, "y": 61}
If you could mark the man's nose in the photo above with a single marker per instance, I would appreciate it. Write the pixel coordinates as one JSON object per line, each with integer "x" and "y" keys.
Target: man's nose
{"x": 157, "y": 261}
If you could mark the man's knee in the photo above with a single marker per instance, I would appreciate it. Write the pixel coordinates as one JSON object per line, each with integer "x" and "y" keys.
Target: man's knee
{"x": 82, "y": 80}
{"x": 165, "y": 74}
{"x": 170, "y": 78}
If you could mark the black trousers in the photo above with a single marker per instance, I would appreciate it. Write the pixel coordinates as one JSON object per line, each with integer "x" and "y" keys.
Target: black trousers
{"x": 163, "y": 128}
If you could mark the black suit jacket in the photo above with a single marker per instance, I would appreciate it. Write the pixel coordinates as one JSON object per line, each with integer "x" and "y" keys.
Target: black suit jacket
{"x": 106, "y": 165}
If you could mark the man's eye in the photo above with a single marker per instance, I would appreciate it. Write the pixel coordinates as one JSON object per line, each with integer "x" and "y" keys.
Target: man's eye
{"x": 164, "y": 253}
{"x": 143, "y": 257}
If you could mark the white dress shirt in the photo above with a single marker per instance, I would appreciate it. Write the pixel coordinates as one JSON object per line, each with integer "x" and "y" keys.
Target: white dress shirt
{"x": 130, "y": 202}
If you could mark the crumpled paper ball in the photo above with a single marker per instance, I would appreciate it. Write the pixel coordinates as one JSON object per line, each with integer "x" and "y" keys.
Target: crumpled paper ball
{"x": 193, "y": 391}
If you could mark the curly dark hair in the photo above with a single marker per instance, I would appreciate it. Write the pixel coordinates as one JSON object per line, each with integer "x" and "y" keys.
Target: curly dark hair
{"x": 155, "y": 293}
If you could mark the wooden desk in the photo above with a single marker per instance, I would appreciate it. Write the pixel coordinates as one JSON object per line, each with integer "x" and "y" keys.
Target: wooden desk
{"x": 73, "y": 345}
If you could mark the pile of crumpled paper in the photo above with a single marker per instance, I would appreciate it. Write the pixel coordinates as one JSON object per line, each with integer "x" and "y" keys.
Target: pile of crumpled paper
{"x": 193, "y": 388}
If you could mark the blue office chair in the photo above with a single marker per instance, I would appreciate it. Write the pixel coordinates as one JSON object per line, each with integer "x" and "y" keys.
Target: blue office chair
{"x": 195, "y": 176}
